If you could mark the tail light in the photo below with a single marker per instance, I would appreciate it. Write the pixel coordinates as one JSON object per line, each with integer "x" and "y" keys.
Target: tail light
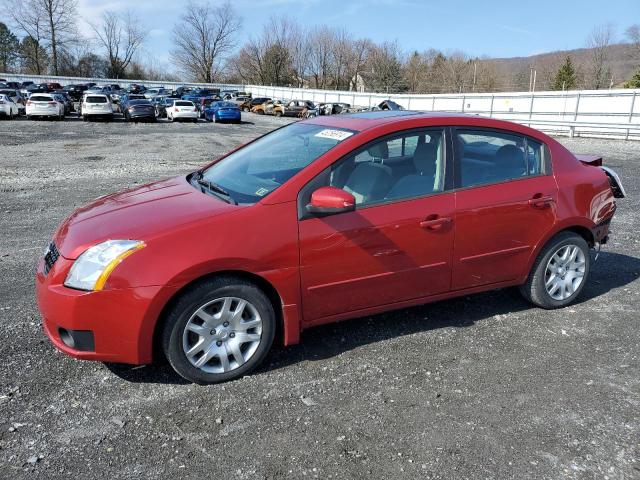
{"x": 176, "y": 109}
{"x": 51, "y": 103}
{"x": 195, "y": 109}
{"x": 29, "y": 102}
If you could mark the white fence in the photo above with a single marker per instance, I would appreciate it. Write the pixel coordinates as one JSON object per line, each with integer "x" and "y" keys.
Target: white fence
{"x": 614, "y": 113}
{"x": 599, "y": 113}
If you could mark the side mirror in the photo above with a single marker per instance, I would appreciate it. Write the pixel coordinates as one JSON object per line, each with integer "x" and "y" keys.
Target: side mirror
{"x": 330, "y": 200}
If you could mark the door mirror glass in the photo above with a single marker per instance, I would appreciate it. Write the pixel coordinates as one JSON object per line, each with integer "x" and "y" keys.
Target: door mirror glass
{"x": 330, "y": 200}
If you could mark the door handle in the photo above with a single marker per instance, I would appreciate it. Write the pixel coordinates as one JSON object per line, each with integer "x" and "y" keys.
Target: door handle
{"x": 436, "y": 223}
{"x": 541, "y": 201}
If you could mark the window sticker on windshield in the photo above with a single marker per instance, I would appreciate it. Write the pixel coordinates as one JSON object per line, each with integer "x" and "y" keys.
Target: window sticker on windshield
{"x": 262, "y": 192}
{"x": 338, "y": 135}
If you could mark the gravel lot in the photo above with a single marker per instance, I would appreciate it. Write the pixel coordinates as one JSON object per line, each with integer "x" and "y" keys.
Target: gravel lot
{"x": 479, "y": 387}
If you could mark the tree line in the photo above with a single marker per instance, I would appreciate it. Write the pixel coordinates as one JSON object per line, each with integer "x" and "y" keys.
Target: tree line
{"x": 43, "y": 38}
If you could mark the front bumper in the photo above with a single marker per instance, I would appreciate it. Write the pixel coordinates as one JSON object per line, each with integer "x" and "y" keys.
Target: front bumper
{"x": 119, "y": 322}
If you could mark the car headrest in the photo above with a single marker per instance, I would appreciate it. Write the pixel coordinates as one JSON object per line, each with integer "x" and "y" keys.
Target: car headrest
{"x": 379, "y": 150}
{"x": 510, "y": 157}
{"x": 424, "y": 159}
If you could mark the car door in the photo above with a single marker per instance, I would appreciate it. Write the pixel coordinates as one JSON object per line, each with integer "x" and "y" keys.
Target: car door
{"x": 395, "y": 246}
{"x": 505, "y": 204}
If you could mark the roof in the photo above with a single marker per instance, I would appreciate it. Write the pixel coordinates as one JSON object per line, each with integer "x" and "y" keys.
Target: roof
{"x": 365, "y": 120}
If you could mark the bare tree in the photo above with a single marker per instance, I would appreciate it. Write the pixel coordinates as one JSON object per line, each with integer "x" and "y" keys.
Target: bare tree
{"x": 321, "y": 41}
{"x": 32, "y": 22}
{"x": 633, "y": 34}
{"x": 120, "y": 36}
{"x": 203, "y": 38}
{"x": 51, "y": 23}
{"x": 599, "y": 40}
{"x": 386, "y": 67}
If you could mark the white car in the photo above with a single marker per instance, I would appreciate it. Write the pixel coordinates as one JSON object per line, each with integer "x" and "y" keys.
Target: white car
{"x": 183, "y": 110}
{"x": 96, "y": 105}
{"x": 44, "y": 105}
{"x": 16, "y": 97}
{"x": 8, "y": 108}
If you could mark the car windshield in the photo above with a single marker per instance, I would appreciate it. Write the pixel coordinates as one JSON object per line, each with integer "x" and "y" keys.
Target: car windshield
{"x": 225, "y": 105}
{"x": 184, "y": 104}
{"x": 253, "y": 172}
{"x": 139, "y": 102}
{"x": 40, "y": 98}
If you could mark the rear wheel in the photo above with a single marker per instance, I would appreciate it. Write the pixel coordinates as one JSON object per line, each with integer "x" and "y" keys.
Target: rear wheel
{"x": 219, "y": 330}
{"x": 278, "y": 113}
{"x": 559, "y": 273}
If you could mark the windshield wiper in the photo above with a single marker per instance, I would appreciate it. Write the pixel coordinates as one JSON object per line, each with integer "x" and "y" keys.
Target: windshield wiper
{"x": 217, "y": 189}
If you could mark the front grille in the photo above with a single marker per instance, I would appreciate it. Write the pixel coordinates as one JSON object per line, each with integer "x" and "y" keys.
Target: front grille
{"x": 50, "y": 257}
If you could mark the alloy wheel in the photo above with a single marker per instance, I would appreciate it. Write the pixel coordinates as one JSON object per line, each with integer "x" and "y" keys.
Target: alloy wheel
{"x": 222, "y": 335}
{"x": 565, "y": 272}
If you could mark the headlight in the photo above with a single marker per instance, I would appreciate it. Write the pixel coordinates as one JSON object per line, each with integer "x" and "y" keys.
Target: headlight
{"x": 91, "y": 269}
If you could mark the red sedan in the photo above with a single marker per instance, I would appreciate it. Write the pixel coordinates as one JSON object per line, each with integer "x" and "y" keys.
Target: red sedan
{"x": 319, "y": 221}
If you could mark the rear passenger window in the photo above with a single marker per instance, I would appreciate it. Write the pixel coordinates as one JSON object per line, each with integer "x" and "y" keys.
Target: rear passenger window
{"x": 492, "y": 157}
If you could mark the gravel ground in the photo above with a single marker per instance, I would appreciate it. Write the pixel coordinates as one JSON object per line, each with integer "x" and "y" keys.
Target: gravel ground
{"x": 478, "y": 387}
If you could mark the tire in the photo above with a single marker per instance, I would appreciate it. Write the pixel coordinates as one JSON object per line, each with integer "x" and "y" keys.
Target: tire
{"x": 278, "y": 113}
{"x": 567, "y": 287}
{"x": 212, "y": 295}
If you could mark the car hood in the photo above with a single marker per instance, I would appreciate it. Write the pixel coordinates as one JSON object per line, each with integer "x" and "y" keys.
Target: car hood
{"x": 141, "y": 213}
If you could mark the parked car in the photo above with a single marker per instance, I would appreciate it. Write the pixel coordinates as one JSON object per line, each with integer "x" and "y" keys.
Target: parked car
{"x": 180, "y": 91}
{"x": 153, "y": 92}
{"x": 12, "y": 85}
{"x": 128, "y": 97}
{"x": 197, "y": 94}
{"x": 8, "y": 108}
{"x": 320, "y": 221}
{"x": 203, "y": 103}
{"x": 389, "y": 105}
{"x": 333, "y": 108}
{"x": 44, "y": 105}
{"x": 75, "y": 91}
{"x": 295, "y": 108}
{"x": 183, "y": 110}
{"x": 97, "y": 105}
{"x": 61, "y": 96}
{"x": 136, "y": 110}
{"x": 262, "y": 107}
{"x": 136, "y": 88}
{"x": 24, "y": 85}
{"x": 249, "y": 104}
{"x": 161, "y": 104}
{"x": 33, "y": 88}
{"x": 16, "y": 97}
{"x": 223, "y": 112}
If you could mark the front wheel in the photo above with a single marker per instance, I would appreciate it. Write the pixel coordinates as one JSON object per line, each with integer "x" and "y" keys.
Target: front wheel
{"x": 219, "y": 330}
{"x": 559, "y": 273}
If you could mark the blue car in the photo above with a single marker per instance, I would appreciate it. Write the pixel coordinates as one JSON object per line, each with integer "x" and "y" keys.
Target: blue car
{"x": 222, "y": 112}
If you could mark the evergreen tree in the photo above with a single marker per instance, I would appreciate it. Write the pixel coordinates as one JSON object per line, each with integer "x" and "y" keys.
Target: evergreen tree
{"x": 8, "y": 48}
{"x": 635, "y": 81}
{"x": 566, "y": 78}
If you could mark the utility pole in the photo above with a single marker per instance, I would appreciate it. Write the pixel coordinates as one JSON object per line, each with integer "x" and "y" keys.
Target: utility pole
{"x": 611, "y": 83}
{"x": 530, "y": 78}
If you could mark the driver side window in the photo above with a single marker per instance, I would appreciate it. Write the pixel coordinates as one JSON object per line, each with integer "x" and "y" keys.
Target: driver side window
{"x": 402, "y": 166}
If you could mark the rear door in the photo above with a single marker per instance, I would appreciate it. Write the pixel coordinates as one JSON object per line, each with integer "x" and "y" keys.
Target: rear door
{"x": 397, "y": 244}
{"x": 505, "y": 204}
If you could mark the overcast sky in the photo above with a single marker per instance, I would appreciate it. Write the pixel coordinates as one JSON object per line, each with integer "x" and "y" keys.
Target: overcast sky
{"x": 496, "y": 28}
